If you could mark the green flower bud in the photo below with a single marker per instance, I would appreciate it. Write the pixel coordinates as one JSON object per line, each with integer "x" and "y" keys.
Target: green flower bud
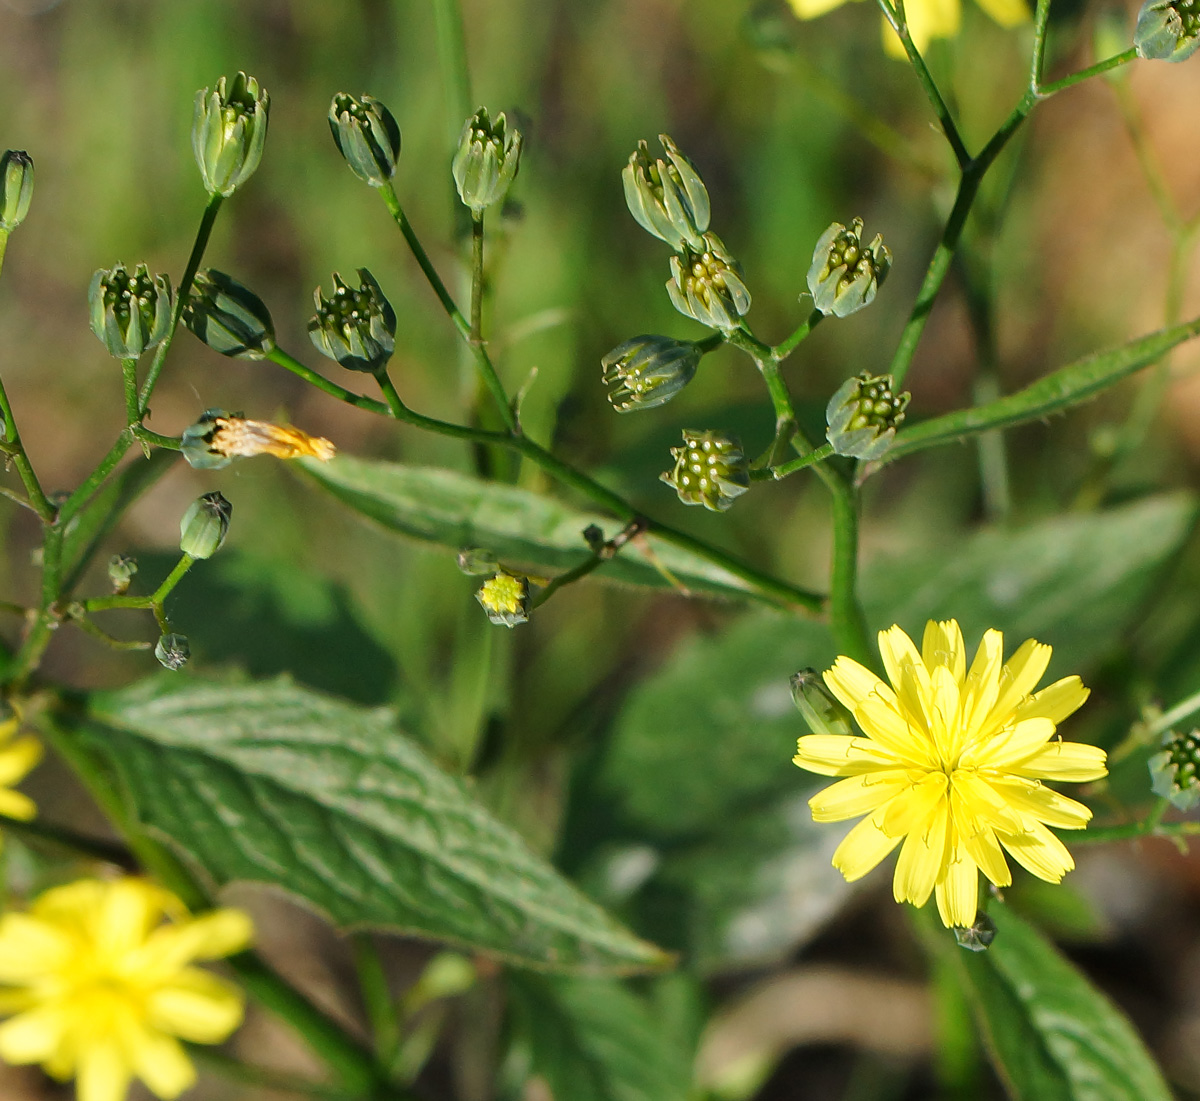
{"x": 1167, "y": 30}
{"x": 355, "y": 327}
{"x": 505, "y": 598}
{"x": 1173, "y": 770}
{"x": 366, "y": 135}
{"x": 977, "y": 937}
{"x": 707, "y": 284}
{"x": 667, "y": 198}
{"x": 121, "y": 569}
{"x": 16, "y": 187}
{"x": 172, "y": 651}
{"x": 486, "y": 161}
{"x": 228, "y": 317}
{"x": 710, "y": 470}
{"x": 822, "y": 713}
{"x": 229, "y": 129}
{"x": 205, "y": 525}
{"x": 648, "y": 370}
{"x": 130, "y": 313}
{"x": 477, "y": 562}
{"x": 863, "y": 416}
{"x": 845, "y": 275}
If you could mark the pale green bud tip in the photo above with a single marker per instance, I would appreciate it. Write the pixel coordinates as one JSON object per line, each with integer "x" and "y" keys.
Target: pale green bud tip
{"x": 229, "y": 130}
{"x": 205, "y": 525}
{"x": 1168, "y": 30}
{"x": 367, "y": 136}
{"x": 822, "y": 713}
{"x": 228, "y": 317}
{"x": 978, "y": 936}
{"x": 845, "y": 273}
{"x": 863, "y": 416}
{"x": 505, "y": 598}
{"x": 648, "y": 370}
{"x": 1173, "y": 770}
{"x": 710, "y": 470}
{"x": 172, "y": 651}
{"x": 130, "y": 314}
{"x": 486, "y": 161}
{"x": 121, "y": 570}
{"x": 477, "y": 562}
{"x": 355, "y": 327}
{"x": 16, "y": 187}
{"x": 706, "y": 284}
{"x": 667, "y": 197}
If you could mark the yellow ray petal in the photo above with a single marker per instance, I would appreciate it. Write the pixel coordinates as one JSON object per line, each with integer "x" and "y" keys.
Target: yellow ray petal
{"x": 884, "y": 725}
{"x": 130, "y": 909}
{"x": 1039, "y": 851}
{"x": 839, "y": 755}
{"x": 862, "y": 849}
{"x": 17, "y": 760}
{"x": 913, "y": 808}
{"x": 1019, "y": 677}
{"x": 211, "y": 936}
{"x": 1042, "y": 804}
{"x": 982, "y": 684}
{"x": 1056, "y": 701}
{"x": 29, "y": 948}
{"x": 851, "y": 683}
{"x": 196, "y": 1006}
{"x": 898, "y": 653}
{"x": 922, "y": 857}
{"x": 16, "y": 805}
{"x": 1008, "y": 13}
{"x": 810, "y": 9}
{"x": 943, "y": 711}
{"x": 160, "y": 1062}
{"x": 103, "y": 1074}
{"x": 980, "y": 805}
{"x": 32, "y": 1036}
{"x": 857, "y": 795}
{"x": 943, "y": 645}
{"x": 1076, "y": 762}
{"x": 985, "y": 850}
{"x": 958, "y": 889}
{"x": 1009, "y": 748}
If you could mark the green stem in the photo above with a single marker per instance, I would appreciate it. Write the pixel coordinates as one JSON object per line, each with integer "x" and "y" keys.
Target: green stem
{"x": 29, "y": 656}
{"x": 88, "y": 627}
{"x": 377, "y": 998}
{"x": 108, "y": 851}
{"x": 96, "y": 479}
{"x": 263, "y": 1078}
{"x": 129, "y": 374}
{"x": 1150, "y": 826}
{"x": 14, "y": 449}
{"x": 1105, "y": 66}
{"x": 155, "y": 600}
{"x": 1168, "y": 719}
{"x": 279, "y": 356}
{"x": 781, "y": 351}
{"x": 582, "y": 570}
{"x": 784, "y": 469}
{"x": 476, "y": 336}
{"x": 845, "y": 613}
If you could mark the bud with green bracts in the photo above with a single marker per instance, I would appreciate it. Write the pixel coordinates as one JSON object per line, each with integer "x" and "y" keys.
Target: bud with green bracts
{"x": 205, "y": 525}
{"x": 845, "y": 274}
{"x": 710, "y": 470}
{"x": 229, "y": 130}
{"x": 367, "y": 136}
{"x": 822, "y": 713}
{"x": 121, "y": 570}
{"x": 667, "y": 198}
{"x": 486, "y": 161}
{"x": 16, "y": 188}
{"x": 863, "y": 416}
{"x": 1173, "y": 770}
{"x": 707, "y": 285}
{"x": 978, "y": 936}
{"x": 228, "y": 317}
{"x": 505, "y": 598}
{"x": 355, "y": 327}
{"x": 172, "y": 651}
{"x": 648, "y": 370}
{"x": 130, "y": 313}
{"x": 1168, "y": 30}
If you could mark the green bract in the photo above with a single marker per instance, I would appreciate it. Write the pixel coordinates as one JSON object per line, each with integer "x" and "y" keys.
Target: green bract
{"x": 172, "y": 651}
{"x": 229, "y": 129}
{"x": 668, "y": 198}
{"x": 707, "y": 284}
{"x": 228, "y": 317}
{"x": 16, "y": 187}
{"x": 355, "y": 327}
{"x": 505, "y": 598}
{"x": 710, "y": 470}
{"x": 129, "y": 313}
{"x": 367, "y": 136}
{"x": 845, "y": 274}
{"x": 646, "y": 371}
{"x": 822, "y": 713}
{"x": 205, "y": 525}
{"x": 863, "y": 416}
{"x": 486, "y": 161}
{"x": 1173, "y": 771}
{"x": 1168, "y": 30}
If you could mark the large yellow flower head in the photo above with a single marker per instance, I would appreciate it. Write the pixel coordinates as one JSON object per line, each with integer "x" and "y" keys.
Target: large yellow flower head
{"x": 103, "y": 990}
{"x": 952, "y": 764}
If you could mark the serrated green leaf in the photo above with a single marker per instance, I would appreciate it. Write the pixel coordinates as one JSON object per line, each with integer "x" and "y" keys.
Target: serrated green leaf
{"x": 1051, "y": 1034}
{"x": 275, "y": 784}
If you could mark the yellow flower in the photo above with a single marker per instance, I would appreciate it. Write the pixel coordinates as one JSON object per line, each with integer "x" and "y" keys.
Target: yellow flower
{"x": 952, "y": 764}
{"x": 927, "y": 19}
{"x": 102, "y": 990}
{"x": 18, "y": 756}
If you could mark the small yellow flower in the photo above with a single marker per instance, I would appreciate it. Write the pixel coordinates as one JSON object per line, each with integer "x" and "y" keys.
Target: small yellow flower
{"x": 102, "y": 990}
{"x": 952, "y": 764}
{"x": 18, "y": 756}
{"x": 927, "y": 19}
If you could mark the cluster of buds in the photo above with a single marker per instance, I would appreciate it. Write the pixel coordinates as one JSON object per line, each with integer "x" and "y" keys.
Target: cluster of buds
{"x": 706, "y": 284}
{"x": 710, "y": 470}
{"x": 218, "y": 438}
{"x": 1173, "y": 770}
{"x": 667, "y": 198}
{"x": 648, "y": 370}
{"x": 205, "y": 525}
{"x": 357, "y": 328}
{"x": 366, "y": 135}
{"x": 229, "y": 130}
{"x": 845, "y": 274}
{"x": 1168, "y": 30}
{"x": 505, "y": 598}
{"x": 129, "y": 313}
{"x": 486, "y": 161}
{"x": 229, "y": 317}
{"x": 863, "y": 416}
{"x": 16, "y": 188}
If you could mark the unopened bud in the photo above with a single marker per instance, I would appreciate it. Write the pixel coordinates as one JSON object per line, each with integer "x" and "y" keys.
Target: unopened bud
{"x": 172, "y": 651}
{"x": 355, "y": 327}
{"x": 710, "y": 470}
{"x": 129, "y": 313}
{"x": 845, "y": 273}
{"x": 505, "y": 598}
{"x": 228, "y": 317}
{"x": 16, "y": 187}
{"x": 121, "y": 569}
{"x": 863, "y": 416}
{"x": 218, "y": 438}
{"x": 1167, "y": 30}
{"x": 486, "y": 161}
{"x": 648, "y": 370}
{"x": 477, "y": 562}
{"x": 367, "y": 136}
{"x": 205, "y": 525}
{"x": 978, "y": 936}
{"x": 706, "y": 284}
{"x": 1173, "y": 770}
{"x": 822, "y": 713}
{"x": 668, "y": 198}
{"x": 229, "y": 130}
